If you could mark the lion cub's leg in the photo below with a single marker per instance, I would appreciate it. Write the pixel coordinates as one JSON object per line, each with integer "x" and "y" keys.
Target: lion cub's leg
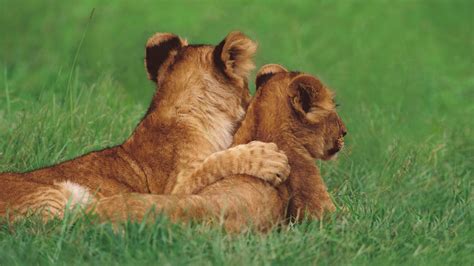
{"x": 47, "y": 201}
{"x": 259, "y": 159}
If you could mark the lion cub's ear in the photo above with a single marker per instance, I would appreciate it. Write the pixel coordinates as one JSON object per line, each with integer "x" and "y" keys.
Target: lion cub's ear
{"x": 234, "y": 55}
{"x": 266, "y": 72}
{"x": 160, "y": 47}
{"x": 309, "y": 98}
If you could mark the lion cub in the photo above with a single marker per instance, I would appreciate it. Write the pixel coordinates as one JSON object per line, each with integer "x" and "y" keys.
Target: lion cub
{"x": 179, "y": 146}
{"x": 295, "y": 111}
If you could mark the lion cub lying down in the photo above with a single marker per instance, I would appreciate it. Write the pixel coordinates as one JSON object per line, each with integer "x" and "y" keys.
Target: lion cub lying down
{"x": 201, "y": 98}
{"x": 295, "y": 111}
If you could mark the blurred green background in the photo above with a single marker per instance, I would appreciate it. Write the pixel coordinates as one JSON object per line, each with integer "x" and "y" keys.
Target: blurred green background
{"x": 403, "y": 72}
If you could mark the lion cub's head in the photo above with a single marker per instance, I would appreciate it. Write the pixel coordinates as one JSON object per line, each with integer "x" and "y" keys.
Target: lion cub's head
{"x": 304, "y": 106}
{"x": 210, "y": 73}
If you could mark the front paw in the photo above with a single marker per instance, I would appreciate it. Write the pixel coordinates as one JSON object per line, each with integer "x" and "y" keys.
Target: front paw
{"x": 268, "y": 162}
{"x": 322, "y": 209}
{"x": 328, "y": 205}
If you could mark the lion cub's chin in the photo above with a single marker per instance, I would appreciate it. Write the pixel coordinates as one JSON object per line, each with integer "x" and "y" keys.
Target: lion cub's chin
{"x": 332, "y": 153}
{"x": 329, "y": 157}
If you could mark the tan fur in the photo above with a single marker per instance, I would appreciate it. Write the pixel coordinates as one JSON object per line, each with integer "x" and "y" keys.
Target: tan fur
{"x": 295, "y": 111}
{"x": 201, "y": 96}
{"x": 47, "y": 201}
{"x": 239, "y": 159}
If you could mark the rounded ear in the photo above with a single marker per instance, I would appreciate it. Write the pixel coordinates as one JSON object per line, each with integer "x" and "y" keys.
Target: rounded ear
{"x": 266, "y": 72}
{"x": 309, "y": 98}
{"x": 160, "y": 47}
{"x": 234, "y": 55}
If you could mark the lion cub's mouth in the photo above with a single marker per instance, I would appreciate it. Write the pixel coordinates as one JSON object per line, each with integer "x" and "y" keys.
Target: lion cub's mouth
{"x": 338, "y": 145}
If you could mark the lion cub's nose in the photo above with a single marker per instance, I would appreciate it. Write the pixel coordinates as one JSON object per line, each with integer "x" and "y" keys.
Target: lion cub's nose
{"x": 343, "y": 130}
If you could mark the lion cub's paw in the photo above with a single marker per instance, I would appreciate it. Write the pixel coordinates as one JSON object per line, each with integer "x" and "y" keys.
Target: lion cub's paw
{"x": 323, "y": 207}
{"x": 268, "y": 162}
{"x": 329, "y": 206}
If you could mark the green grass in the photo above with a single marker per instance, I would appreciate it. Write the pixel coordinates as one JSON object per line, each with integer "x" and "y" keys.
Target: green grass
{"x": 404, "y": 75}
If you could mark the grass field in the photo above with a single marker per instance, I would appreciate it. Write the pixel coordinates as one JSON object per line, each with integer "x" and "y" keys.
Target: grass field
{"x": 404, "y": 76}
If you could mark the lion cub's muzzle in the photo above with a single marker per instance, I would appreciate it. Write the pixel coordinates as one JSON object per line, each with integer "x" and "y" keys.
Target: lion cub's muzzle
{"x": 338, "y": 145}
{"x": 339, "y": 142}
{"x": 342, "y": 133}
